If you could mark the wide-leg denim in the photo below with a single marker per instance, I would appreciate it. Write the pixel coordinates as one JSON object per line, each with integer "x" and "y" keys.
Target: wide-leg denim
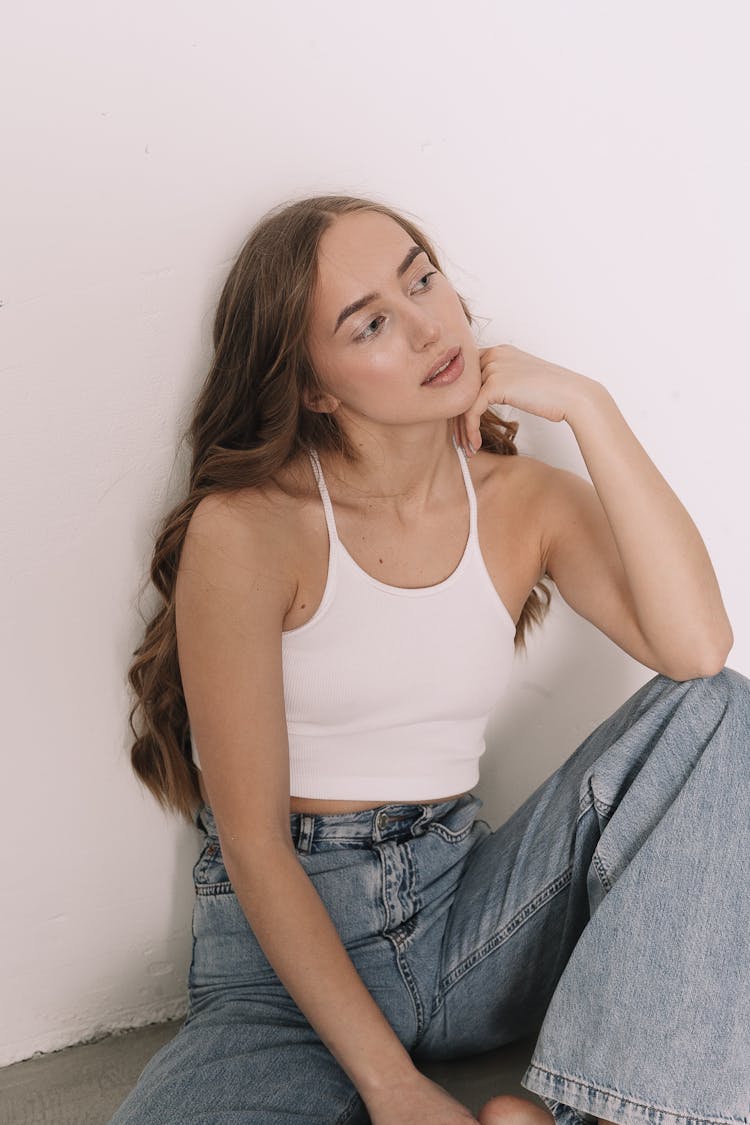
{"x": 612, "y": 909}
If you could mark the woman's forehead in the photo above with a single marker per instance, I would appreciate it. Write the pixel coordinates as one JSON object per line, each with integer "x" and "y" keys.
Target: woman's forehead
{"x": 358, "y": 254}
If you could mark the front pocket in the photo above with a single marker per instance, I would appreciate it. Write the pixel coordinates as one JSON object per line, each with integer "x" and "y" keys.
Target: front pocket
{"x": 209, "y": 873}
{"x": 458, "y": 822}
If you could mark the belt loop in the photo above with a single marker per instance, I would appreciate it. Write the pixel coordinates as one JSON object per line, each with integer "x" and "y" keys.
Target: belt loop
{"x": 306, "y": 832}
{"x": 420, "y": 824}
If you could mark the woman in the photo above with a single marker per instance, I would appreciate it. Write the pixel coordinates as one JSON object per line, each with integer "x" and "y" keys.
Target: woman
{"x": 358, "y": 556}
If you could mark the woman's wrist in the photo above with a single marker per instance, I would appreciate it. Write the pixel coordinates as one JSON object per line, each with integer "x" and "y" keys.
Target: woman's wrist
{"x": 390, "y": 1071}
{"x": 588, "y": 399}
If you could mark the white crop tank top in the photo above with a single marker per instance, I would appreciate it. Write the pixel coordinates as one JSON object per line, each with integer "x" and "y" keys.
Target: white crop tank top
{"x": 388, "y": 690}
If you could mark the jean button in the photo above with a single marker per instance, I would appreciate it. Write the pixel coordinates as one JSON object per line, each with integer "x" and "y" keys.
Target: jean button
{"x": 381, "y": 819}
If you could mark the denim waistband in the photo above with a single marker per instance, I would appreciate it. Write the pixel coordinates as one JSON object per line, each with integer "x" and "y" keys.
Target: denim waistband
{"x": 367, "y": 826}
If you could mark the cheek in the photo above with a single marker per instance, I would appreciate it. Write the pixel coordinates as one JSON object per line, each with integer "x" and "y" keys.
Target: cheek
{"x": 360, "y": 379}
{"x": 383, "y": 362}
{"x": 367, "y": 366}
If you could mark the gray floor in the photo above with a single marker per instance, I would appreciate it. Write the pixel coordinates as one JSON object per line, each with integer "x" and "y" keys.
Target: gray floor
{"x": 84, "y": 1085}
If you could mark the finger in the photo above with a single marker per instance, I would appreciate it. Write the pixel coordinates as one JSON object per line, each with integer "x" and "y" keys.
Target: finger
{"x": 476, "y": 440}
{"x": 485, "y": 368}
{"x": 464, "y": 435}
{"x": 471, "y": 419}
{"x": 485, "y": 353}
{"x": 486, "y": 398}
{"x": 458, "y": 431}
{"x": 466, "y": 439}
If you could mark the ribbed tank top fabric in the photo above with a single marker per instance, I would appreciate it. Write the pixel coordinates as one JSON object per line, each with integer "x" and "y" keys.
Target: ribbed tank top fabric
{"x": 388, "y": 690}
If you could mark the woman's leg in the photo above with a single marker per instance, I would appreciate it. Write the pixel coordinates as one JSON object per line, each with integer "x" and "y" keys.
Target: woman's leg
{"x": 615, "y": 906}
{"x": 247, "y": 1061}
{"x": 246, "y": 1052}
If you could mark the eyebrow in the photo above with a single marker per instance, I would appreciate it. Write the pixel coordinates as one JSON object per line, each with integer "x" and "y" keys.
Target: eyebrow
{"x": 355, "y": 306}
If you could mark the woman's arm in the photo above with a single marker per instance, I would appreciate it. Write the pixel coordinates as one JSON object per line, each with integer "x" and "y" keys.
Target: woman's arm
{"x": 233, "y": 589}
{"x": 625, "y": 553}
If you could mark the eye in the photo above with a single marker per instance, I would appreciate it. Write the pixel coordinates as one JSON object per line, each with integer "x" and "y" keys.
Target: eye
{"x": 426, "y": 277}
{"x": 365, "y": 334}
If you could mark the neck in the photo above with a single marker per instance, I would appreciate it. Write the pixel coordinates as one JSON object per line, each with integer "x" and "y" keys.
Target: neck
{"x": 398, "y": 468}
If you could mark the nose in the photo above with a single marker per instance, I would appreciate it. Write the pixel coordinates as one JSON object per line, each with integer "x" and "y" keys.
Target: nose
{"x": 424, "y": 327}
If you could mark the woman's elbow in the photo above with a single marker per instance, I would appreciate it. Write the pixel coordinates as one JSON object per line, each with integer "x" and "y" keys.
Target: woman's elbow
{"x": 707, "y": 661}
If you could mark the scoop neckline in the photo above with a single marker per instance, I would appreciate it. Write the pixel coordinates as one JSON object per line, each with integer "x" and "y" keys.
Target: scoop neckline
{"x": 410, "y": 591}
{"x": 418, "y": 591}
{"x": 337, "y": 557}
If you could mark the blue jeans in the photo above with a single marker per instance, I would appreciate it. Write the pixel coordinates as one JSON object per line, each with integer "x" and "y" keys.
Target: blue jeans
{"x": 612, "y": 910}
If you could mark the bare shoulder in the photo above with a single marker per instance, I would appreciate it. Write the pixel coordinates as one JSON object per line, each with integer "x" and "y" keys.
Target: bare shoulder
{"x": 235, "y": 583}
{"x": 255, "y": 532}
{"x": 511, "y": 495}
{"x": 560, "y": 509}
{"x": 519, "y": 479}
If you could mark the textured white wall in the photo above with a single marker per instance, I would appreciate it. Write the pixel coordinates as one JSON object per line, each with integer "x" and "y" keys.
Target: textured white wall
{"x": 585, "y": 168}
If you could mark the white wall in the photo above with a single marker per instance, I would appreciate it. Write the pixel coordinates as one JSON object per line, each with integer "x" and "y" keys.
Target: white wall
{"x": 585, "y": 169}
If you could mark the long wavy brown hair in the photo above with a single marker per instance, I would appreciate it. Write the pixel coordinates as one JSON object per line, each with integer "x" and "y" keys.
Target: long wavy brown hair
{"x": 249, "y": 421}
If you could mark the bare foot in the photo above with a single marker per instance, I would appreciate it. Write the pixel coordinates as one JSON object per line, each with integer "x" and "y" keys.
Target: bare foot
{"x": 509, "y": 1110}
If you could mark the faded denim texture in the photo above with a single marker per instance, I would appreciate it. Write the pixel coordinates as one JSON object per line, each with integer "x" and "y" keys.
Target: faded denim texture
{"x": 612, "y": 910}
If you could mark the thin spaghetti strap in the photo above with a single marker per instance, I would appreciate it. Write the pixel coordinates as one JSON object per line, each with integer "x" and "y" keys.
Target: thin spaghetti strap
{"x": 473, "y": 534}
{"x": 327, "y": 505}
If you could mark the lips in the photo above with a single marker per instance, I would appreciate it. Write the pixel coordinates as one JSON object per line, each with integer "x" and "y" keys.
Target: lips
{"x": 445, "y": 359}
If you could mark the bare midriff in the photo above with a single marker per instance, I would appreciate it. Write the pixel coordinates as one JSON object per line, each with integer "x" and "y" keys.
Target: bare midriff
{"x": 320, "y": 807}
{"x": 323, "y": 808}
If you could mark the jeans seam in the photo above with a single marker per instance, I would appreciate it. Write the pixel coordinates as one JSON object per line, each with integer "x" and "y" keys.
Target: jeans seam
{"x": 211, "y": 890}
{"x": 588, "y": 1087}
{"x": 406, "y": 974}
{"x": 399, "y": 936}
{"x": 601, "y": 871}
{"x": 450, "y": 837}
{"x": 554, "y": 887}
{"x": 589, "y": 800}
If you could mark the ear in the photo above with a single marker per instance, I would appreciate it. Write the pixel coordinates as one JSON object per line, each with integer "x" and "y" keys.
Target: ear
{"x": 320, "y": 404}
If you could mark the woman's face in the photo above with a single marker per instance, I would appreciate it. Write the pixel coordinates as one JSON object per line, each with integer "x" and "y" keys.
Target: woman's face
{"x": 373, "y": 357}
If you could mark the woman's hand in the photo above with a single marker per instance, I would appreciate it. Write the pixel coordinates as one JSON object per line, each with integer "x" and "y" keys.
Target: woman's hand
{"x": 511, "y": 377}
{"x": 419, "y": 1102}
{"x": 635, "y": 566}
